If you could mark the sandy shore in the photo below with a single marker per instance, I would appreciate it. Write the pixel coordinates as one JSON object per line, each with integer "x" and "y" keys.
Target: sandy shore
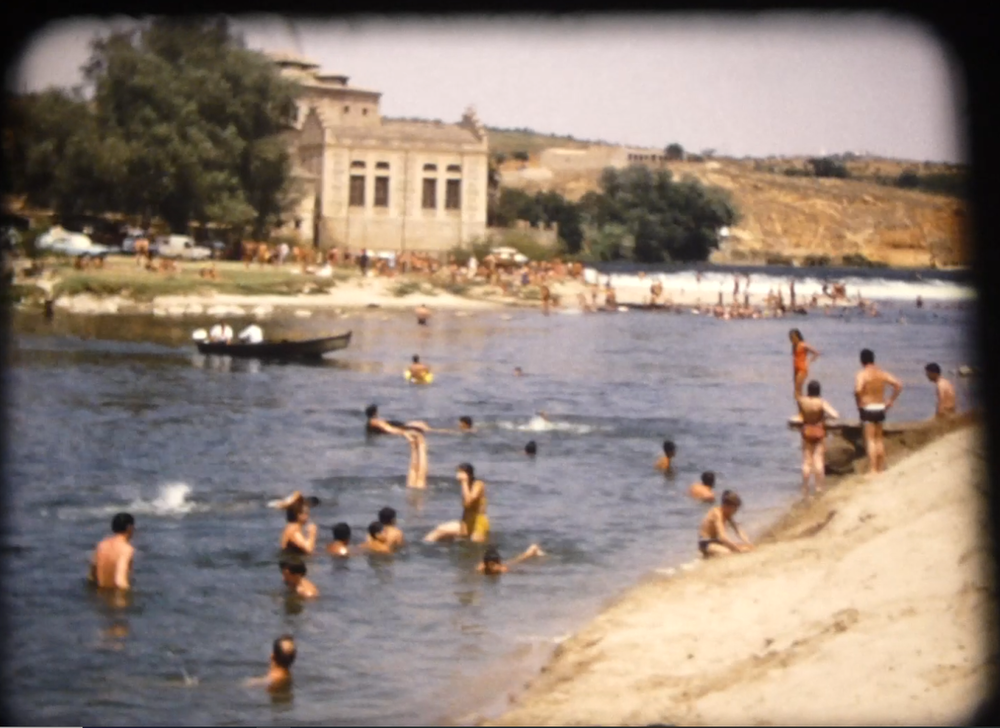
{"x": 874, "y": 603}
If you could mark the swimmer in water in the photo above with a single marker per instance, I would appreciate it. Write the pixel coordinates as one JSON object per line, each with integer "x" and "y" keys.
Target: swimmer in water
{"x": 423, "y": 314}
{"x": 814, "y": 411}
{"x": 475, "y": 524}
{"x": 518, "y": 372}
{"x": 299, "y": 536}
{"x": 377, "y": 426}
{"x": 531, "y": 449}
{"x": 703, "y": 490}
{"x": 341, "y": 545}
{"x": 111, "y": 564}
{"x": 464, "y": 426}
{"x": 945, "y": 392}
{"x": 279, "y": 674}
{"x": 712, "y": 540}
{"x": 416, "y": 474}
{"x": 493, "y": 566}
{"x": 377, "y": 540}
{"x": 800, "y": 363}
{"x": 666, "y": 461}
{"x": 869, "y": 393}
{"x": 294, "y": 575}
{"x": 393, "y": 535}
{"x": 418, "y": 372}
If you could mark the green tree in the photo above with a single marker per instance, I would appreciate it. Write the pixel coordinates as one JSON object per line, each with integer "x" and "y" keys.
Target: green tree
{"x": 674, "y": 151}
{"x": 828, "y": 167}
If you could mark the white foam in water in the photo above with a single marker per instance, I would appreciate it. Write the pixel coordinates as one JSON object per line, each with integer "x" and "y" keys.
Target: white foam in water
{"x": 171, "y": 500}
{"x": 712, "y": 282}
{"x": 540, "y": 424}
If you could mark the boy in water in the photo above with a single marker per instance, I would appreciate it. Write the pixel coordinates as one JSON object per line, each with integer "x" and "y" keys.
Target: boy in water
{"x": 393, "y": 535}
{"x": 945, "y": 392}
{"x": 374, "y": 425}
{"x": 418, "y": 372}
{"x": 376, "y": 542}
{"x": 531, "y": 449}
{"x": 294, "y": 575}
{"x": 703, "y": 490}
{"x": 712, "y": 540}
{"x": 869, "y": 393}
{"x": 665, "y": 463}
{"x": 111, "y": 564}
{"x": 493, "y": 566}
{"x": 279, "y": 674}
{"x": 341, "y": 545}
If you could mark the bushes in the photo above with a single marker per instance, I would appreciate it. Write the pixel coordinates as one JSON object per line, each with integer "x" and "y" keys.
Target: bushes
{"x": 857, "y": 260}
{"x": 828, "y": 167}
{"x": 816, "y": 261}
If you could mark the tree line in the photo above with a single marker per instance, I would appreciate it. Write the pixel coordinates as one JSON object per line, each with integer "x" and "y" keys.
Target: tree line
{"x": 182, "y": 123}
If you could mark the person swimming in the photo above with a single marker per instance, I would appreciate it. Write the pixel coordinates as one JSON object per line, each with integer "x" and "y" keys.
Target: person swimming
{"x": 111, "y": 564}
{"x": 703, "y": 490}
{"x": 377, "y": 539}
{"x": 299, "y": 536}
{"x": 493, "y": 565}
{"x": 531, "y": 449}
{"x": 474, "y": 524}
{"x": 341, "y": 545}
{"x": 294, "y": 575}
{"x": 374, "y": 425}
{"x": 418, "y": 373}
{"x": 279, "y": 674}
{"x": 393, "y": 534}
{"x": 665, "y": 463}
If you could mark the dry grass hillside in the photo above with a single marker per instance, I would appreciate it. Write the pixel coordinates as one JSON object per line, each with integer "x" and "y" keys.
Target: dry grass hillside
{"x": 795, "y": 217}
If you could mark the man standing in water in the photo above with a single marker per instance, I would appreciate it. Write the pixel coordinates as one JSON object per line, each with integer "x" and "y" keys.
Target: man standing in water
{"x": 112, "y": 562}
{"x": 294, "y": 575}
{"x": 393, "y": 535}
{"x": 423, "y": 314}
{"x": 279, "y": 675}
{"x": 869, "y": 393}
{"x": 945, "y": 392}
{"x": 665, "y": 462}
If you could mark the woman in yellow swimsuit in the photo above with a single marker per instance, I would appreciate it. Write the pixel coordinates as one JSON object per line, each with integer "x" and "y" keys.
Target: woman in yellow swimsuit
{"x": 475, "y": 524}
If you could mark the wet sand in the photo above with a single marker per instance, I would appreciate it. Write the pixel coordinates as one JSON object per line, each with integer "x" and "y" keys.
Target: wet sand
{"x": 872, "y": 604}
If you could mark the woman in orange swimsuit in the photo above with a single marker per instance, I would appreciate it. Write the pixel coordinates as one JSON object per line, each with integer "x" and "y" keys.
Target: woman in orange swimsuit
{"x": 800, "y": 363}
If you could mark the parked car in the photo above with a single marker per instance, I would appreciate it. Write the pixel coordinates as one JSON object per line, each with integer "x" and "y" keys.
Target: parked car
{"x": 217, "y": 248}
{"x": 60, "y": 240}
{"x": 180, "y": 246}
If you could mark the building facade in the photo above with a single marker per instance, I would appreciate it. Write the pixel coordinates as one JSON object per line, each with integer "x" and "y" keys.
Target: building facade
{"x": 380, "y": 184}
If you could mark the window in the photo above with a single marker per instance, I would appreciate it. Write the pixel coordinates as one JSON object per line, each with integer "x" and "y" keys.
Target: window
{"x": 381, "y": 192}
{"x": 454, "y": 168}
{"x": 364, "y": 112}
{"x": 347, "y": 109}
{"x": 357, "y": 190}
{"x": 357, "y": 165}
{"x": 430, "y": 194}
{"x": 382, "y": 165}
{"x": 430, "y": 168}
{"x": 453, "y": 194}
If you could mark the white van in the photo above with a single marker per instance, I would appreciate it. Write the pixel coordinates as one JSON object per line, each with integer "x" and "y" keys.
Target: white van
{"x": 180, "y": 246}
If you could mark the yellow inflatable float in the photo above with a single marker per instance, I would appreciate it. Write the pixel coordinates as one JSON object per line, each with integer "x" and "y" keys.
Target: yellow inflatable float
{"x": 427, "y": 379}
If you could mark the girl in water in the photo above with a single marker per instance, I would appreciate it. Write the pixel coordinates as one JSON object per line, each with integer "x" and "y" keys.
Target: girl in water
{"x": 475, "y": 524}
{"x": 299, "y": 536}
{"x": 800, "y": 363}
{"x": 814, "y": 410}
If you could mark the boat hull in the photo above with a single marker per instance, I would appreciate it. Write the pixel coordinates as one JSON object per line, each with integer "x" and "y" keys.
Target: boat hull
{"x": 309, "y": 349}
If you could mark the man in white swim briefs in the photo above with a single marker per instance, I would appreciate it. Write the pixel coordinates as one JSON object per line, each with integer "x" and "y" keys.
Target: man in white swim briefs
{"x": 869, "y": 392}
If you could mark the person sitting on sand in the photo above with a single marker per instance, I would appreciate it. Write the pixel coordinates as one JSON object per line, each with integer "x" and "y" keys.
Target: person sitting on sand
{"x": 299, "y": 536}
{"x": 111, "y": 563}
{"x": 703, "y": 489}
{"x": 712, "y": 540}
{"x": 418, "y": 372}
{"x": 341, "y": 545}
{"x": 945, "y": 392}
{"x": 423, "y": 314}
{"x": 376, "y": 426}
{"x": 377, "y": 540}
{"x": 279, "y": 675}
{"x": 869, "y": 393}
{"x": 814, "y": 410}
{"x": 493, "y": 566}
{"x": 475, "y": 524}
{"x": 393, "y": 534}
{"x": 665, "y": 463}
{"x": 294, "y": 575}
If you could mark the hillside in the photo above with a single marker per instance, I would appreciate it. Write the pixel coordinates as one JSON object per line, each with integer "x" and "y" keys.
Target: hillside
{"x": 799, "y": 216}
{"x": 508, "y": 141}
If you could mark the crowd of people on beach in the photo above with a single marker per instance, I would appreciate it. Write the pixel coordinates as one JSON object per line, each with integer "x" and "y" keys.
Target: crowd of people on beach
{"x": 112, "y": 559}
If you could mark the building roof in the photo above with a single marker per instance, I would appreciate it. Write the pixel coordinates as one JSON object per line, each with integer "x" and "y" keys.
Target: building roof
{"x": 315, "y": 83}
{"x": 414, "y": 131}
{"x": 291, "y": 59}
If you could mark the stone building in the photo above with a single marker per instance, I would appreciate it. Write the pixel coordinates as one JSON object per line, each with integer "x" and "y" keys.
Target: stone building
{"x": 386, "y": 185}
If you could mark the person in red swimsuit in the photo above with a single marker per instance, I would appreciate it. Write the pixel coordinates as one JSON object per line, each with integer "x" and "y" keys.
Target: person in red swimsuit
{"x": 800, "y": 361}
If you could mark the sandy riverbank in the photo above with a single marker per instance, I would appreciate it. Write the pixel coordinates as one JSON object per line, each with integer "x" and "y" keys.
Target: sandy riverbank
{"x": 873, "y": 604}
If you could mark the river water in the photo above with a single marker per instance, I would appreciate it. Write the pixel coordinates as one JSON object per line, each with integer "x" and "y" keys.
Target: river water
{"x": 112, "y": 413}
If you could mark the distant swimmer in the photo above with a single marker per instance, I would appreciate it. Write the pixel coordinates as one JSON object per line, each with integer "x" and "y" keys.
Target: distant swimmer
{"x": 518, "y": 372}
{"x": 279, "y": 675}
{"x": 531, "y": 449}
{"x": 814, "y": 411}
{"x": 299, "y": 536}
{"x": 393, "y": 534}
{"x": 111, "y": 565}
{"x": 423, "y": 314}
{"x": 377, "y": 426}
{"x": 294, "y": 575}
{"x": 703, "y": 490}
{"x": 800, "y": 362}
{"x": 665, "y": 463}
{"x": 712, "y": 540}
{"x": 341, "y": 545}
{"x": 475, "y": 524}
{"x": 465, "y": 425}
{"x": 493, "y": 565}
{"x": 920, "y": 302}
{"x": 376, "y": 543}
{"x": 419, "y": 373}
{"x": 869, "y": 393}
{"x": 945, "y": 392}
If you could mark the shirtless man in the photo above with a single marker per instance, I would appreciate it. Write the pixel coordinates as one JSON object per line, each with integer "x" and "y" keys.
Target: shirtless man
{"x": 945, "y": 392}
{"x": 423, "y": 314}
{"x": 702, "y": 490}
{"x": 712, "y": 540}
{"x": 666, "y": 461}
{"x": 869, "y": 393}
{"x": 418, "y": 372}
{"x": 279, "y": 674}
{"x": 341, "y": 545}
{"x": 393, "y": 535}
{"x": 493, "y": 566}
{"x": 377, "y": 540}
{"x": 112, "y": 561}
{"x": 294, "y": 575}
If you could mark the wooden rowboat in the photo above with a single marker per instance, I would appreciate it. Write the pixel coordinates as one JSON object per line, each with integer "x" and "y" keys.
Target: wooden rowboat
{"x": 308, "y": 349}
